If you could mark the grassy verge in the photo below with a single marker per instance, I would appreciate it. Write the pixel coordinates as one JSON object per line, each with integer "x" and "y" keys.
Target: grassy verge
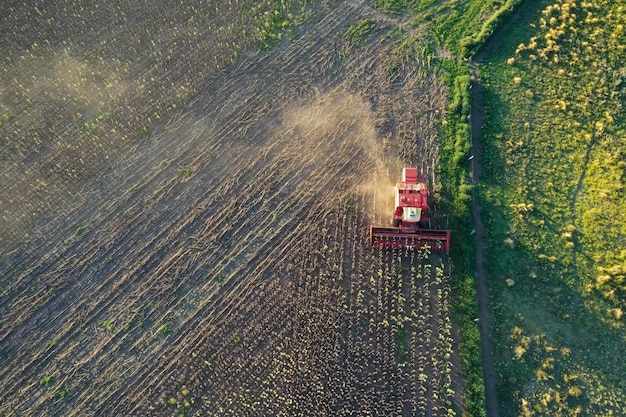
{"x": 471, "y": 44}
{"x": 454, "y": 175}
{"x": 459, "y": 26}
{"x": 552, "y": 191}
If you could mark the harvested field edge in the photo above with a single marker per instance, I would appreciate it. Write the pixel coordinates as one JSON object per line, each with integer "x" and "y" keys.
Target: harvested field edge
{"x": 228, "y": 272}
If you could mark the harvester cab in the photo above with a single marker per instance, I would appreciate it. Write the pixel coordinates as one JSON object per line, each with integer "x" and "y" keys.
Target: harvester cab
{"x": 411, "y": 221}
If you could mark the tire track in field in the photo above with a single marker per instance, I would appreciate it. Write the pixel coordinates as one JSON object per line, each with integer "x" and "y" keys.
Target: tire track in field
{"x": 482, "y": 290}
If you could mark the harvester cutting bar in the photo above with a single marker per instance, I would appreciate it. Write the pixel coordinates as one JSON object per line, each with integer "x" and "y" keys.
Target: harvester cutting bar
{"x": 392, "y": 237}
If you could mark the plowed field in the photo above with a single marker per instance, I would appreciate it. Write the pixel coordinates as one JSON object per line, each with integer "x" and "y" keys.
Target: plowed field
{"x": 221, "y": 265}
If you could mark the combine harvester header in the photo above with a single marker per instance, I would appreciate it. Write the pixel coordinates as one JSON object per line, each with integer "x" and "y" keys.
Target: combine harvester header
{"x": 411, "y": 222}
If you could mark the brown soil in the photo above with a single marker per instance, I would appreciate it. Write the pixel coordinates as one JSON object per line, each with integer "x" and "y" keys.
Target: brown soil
{"x": 222, "y": 266}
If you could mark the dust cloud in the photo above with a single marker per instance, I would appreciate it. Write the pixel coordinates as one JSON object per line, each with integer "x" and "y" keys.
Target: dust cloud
{"x": 342, "y": 125}
{"x": 53, "y": 108}
{"x": 378, "y": 191}
{"x": 331, "y": 122}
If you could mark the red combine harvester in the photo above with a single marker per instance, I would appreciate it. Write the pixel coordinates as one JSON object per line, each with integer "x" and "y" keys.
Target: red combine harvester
{"x": 410, "y": 220}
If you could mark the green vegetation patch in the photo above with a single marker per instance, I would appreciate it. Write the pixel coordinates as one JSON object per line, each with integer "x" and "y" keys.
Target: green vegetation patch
{"x": 460, "y": 26}
{"x": 471, "y": 44}
{"x": 554, "y": 204}
{"x": 47, "y": 380}
{"x": 359, "y": 32}
{"x": 464, "y": 26}
{"x": 392, "y": 6}
{"x": 465, "y": 311}
{"x": 276, "y": 20}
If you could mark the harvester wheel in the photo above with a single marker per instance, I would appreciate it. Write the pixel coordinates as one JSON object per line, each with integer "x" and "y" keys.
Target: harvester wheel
{"x": 395, "y": 222}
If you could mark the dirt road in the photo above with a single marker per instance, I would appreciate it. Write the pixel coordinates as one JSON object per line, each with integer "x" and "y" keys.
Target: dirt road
{"x": 482, "y": 288}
